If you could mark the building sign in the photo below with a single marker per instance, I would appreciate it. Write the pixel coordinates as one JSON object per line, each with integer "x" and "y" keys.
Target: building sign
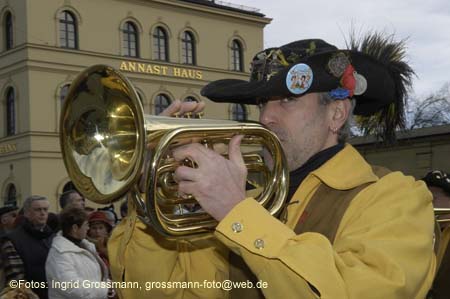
{"x": 160, "y": 70}
{"x": 8, "y": 148}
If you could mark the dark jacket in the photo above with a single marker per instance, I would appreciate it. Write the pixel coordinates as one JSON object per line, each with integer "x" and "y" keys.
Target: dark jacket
{"x": 32, "y": 246}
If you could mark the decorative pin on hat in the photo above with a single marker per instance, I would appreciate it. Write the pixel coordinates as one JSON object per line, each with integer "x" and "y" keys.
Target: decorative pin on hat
{"x": 299, "y": 78}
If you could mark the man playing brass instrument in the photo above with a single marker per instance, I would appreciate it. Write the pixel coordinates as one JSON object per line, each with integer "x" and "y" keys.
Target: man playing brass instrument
{"x": 349, "y": 230}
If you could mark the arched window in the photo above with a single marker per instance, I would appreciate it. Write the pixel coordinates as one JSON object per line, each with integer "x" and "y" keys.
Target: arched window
{"x": 160, "y": 44}
{"x": 236, "y": 56}
{"x": 161, "y": 102}
{"x": 130, "y": 40}
{"x": 8, "y": 31}
{"x": 11, "y": 196}
{"x": 238, "y": 112}
{"x": 63, "y": 93}
{"x": 68, "y": 31}
{"x": 10, "y": 112}
{"x": 188, "y": 48}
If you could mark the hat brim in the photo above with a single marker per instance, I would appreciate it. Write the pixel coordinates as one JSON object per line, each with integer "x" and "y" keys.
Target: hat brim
{"x": 379, "y": 92}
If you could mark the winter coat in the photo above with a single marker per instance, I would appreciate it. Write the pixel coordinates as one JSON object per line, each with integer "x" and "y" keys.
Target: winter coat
{"x": 75, "y": 272}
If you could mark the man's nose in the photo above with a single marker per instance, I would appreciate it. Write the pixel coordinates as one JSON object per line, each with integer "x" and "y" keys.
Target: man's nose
{"x": 268, "y": 114}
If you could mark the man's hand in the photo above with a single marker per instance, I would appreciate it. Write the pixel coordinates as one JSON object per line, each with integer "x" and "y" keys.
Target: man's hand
{"x": 176, "y": 108}
{"x": 179, "y": 108}
{"x": 218, "y": 184}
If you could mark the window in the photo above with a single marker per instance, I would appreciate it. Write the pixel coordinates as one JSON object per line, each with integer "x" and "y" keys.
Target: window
{"x": 238, "y": 112}
{"x": 160, "y": 44}
{"x": 161, "y": 102}
{"x": 8, "y": 31}
{"x": 68, "y": 35}
{"x": 11, "y": 196}
{"x": 10, "y": 112}
{"x": 130, "y": 40}
{"x": 236, "y": 56}
{"x": 63, "y": 93}
{"x": 188, "y": 48}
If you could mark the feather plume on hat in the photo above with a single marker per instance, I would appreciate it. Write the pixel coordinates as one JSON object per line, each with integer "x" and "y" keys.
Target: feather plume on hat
{"x": 384, "y": 123}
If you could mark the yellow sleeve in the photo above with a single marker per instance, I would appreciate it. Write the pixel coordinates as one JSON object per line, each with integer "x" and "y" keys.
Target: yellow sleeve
{"x": 383, "y": 247}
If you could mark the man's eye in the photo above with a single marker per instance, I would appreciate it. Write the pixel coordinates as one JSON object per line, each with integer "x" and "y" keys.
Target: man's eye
{"x": 288, "y": 99}
{"x": 262, "y": 104}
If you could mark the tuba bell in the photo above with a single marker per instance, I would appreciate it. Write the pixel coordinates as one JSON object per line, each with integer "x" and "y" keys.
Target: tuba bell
{"x": 111, "y": 150}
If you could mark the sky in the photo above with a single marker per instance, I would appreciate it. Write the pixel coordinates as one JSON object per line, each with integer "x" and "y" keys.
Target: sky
{"x": 425, "y": 24}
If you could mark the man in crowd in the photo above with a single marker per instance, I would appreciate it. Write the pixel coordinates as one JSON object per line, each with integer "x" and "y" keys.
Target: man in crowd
{"x": 71, "y": 198}
{"x": 25, "y": 249}
{"x": 348, "y": 230}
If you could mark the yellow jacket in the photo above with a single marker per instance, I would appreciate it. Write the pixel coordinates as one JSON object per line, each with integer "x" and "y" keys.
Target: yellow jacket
{"x": 383, "y": 247}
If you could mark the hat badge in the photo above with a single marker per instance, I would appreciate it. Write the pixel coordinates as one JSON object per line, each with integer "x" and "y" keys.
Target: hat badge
{"x": 299, "y": 78}
{"x": 361, "y": 84}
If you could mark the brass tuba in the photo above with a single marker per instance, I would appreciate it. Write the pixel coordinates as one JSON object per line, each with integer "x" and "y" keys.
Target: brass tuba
{"x": 110, "y": 147}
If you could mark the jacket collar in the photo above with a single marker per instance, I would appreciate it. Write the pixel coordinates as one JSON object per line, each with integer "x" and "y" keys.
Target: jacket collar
{"x": 62, "y": 244}
{"x": 346, "y": 170}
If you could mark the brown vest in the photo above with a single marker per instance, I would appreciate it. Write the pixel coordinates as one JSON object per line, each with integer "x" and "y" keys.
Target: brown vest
{"x": 441, "y": 283}
{"x": 323, "y": 214}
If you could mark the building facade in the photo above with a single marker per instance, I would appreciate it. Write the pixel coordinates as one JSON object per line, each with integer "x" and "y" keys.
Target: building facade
{"x": 169, "y": 49}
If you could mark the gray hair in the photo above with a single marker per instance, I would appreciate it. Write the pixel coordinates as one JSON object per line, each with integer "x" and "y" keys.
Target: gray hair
{"x": 344, "y": 131}
{"x": 29, "y": 200}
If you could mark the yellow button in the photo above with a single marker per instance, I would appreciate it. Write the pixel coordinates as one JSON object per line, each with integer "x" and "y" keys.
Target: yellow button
{"x": 237, "y": 227}
{"x": 259, "y": 243}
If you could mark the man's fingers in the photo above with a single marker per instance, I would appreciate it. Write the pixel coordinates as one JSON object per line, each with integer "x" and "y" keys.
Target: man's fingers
{"x": 234, "y": 150}
{"x": 180, "y": 108}
{"x": 184, "y": 173}
{"x": 200, "y": 106}
{"x": 188, "y": 107}
{"x": 194, "y": 151}
{"x": 172, "y": 109}
{"x": 187, "y": 187}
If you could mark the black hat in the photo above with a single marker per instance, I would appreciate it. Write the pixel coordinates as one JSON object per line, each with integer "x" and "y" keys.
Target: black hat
{"x": 372, "y": 70}
{"x": 7, "y": 209}
{"x": 438, "y": 178}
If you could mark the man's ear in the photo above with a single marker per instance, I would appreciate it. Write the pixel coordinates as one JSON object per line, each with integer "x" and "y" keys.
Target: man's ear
{"x": 341, "y": 112}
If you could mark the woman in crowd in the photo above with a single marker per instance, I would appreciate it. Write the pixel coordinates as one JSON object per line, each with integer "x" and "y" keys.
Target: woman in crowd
{"x": 73, "y": 261}
{"x": 99, "y": 231}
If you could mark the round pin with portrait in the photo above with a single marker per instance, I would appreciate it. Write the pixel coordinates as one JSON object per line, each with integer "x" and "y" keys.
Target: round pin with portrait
{"x": 299, "y": 78}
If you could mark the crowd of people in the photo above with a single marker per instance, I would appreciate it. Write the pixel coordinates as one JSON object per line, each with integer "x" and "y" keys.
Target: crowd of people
{"x": 46, "y": 251}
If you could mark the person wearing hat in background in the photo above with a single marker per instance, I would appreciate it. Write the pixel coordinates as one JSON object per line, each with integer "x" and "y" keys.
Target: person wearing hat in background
{"x": 8, "y": 215}
{"x": 349, "y": 230}
{"x": 110, "y": 214}
{"x": 438, "y": 182}
{"x": 100, "y": 228}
